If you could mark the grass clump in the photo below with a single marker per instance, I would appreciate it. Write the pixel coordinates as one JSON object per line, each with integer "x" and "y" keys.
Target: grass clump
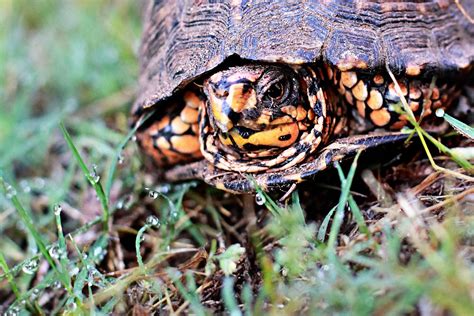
{"x": 77, "y": 239}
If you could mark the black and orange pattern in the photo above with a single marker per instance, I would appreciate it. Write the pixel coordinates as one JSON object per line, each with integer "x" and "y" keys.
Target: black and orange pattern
{"x": 271, "y": 118}
{"x": 278, "y": 90}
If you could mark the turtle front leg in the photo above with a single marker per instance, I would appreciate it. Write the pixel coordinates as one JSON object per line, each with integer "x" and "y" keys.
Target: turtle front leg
{"x": 173, "y": 137}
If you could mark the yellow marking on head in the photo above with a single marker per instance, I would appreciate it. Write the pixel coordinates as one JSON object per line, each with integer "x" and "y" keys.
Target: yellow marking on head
{"x": 290, "y": 110}
{"x": 222, "y": 121}
{"x": 239, "y": 99}
{"x": 280, "y": 136}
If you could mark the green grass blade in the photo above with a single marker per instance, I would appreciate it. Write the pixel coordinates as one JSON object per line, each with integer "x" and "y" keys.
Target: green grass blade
{"x": 460, "y": 127}
{"x": 358, "y": 216}
{"x": 90, "y": 177}
{"x": 345, "y": 191}
{"x": 228, "y": 296}
{"x": 324, "y": 225}
{"x": 118, "y": 152}
{"x": 28, "y": 221}
{"x": 11, "y": 281}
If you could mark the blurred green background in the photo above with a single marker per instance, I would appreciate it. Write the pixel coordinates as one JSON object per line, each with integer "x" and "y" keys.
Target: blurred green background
{"x": 70, "y": 60}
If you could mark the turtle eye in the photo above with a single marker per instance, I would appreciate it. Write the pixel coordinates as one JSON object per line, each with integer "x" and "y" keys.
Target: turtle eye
{"x": 276, "y": 91}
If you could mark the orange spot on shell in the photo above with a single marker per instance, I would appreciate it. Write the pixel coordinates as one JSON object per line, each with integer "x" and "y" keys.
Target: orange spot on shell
{"x": 349, "y": 97}
{"x": 192, "y": 100}
{"x": 311, "y": 115}
{"x": 178, "y": 126}
{"x": 398, "y": 125}
{"x": 414, "y": 106}
{"x": 162, "y": 143}
{"x": 189, "y": 115}
{"x": 378, "y": 79}
{"x": 290, "y": 110}
{"x": 360, "y": 91}
{"x": 375, "y": 100}
{"x": 413, "y": 70}
{"x": 435, "y": 94}
{"x": 361, "y": 108}
{"x": 380, "y": 117}
{"x": 348, "y": 78}
{"x": 185, "y": 144}
{"x": 165, "y": 121}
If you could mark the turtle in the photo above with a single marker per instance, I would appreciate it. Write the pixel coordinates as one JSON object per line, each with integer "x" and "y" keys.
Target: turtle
{"x": 248, "y": 94}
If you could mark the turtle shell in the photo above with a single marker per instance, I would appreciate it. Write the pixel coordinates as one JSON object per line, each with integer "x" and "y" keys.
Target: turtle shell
{"x": 184, "y": 39}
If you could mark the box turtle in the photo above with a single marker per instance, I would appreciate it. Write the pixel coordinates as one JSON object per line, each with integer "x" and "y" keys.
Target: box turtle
{"x": 268, "y": 92}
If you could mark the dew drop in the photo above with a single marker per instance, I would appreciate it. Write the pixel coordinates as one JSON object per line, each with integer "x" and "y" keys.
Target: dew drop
{"x": 57, "y": 285}
{"x": 13, "y": 311}
{"x": 120, "y": 159}
{"x": 260, "y": 199}
{"x": 30, "y": 266}
{"x": 174, "y": 216}
{"x": 93, "y": 174}
{"x": 153, "y": 194}
{"x": 97, "y": 252}
{"x": 164, "y": 189}
{"x": 74, "y": 271}
{"x": 153, "y": 221}
{"x": 57, "y": 209}
{"x": 55, "y": 252}
{"x": 25, "y": 186}
{"x": 71, "y": 306}
{"x": 34, "y": 295}
{"x": 10, "y": 192}
{"x": 439, "y": 112}
{"x": 39, "y": 183}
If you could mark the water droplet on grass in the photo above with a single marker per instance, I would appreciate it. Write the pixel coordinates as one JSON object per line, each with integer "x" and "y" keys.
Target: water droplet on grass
{"x": 439, "y": 112}
{"x": 93, "y": 174}
{"x": 10, "y": 192}
{"x": 74, "y": 271}
{"x": 55, "y": 252}
{"x": 120, "y": 159}
{"x": 71, "y": 306}
{"x": 34, "y": 295}
{"x": 25, "y": 186}
{"x": 57, "y": 285}
{"x": 260, "y": 199}
{"x": 30, "y": 266}
{"x": 153, "y": 221}
{"x": 57, "y": 209}
{"x": 153, "y": 194}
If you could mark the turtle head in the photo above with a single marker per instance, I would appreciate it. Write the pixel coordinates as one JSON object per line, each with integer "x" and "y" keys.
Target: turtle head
{"x": 250, "y": 96}
{"x": 260, "y": 115}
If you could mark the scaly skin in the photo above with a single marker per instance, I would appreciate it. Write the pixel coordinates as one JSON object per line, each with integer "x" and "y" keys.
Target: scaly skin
{"x": 268, "y": 120}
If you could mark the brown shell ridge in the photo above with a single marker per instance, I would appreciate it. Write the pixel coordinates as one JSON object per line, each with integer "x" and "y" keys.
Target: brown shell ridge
{"x": 183, "y": 39}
